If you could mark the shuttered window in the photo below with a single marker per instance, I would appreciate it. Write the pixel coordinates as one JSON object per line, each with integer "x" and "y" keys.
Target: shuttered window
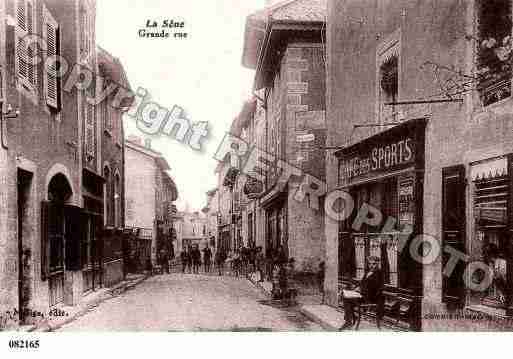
{"x": 90, "y": 125}
{"x": 26, "y": 70}
{"x": 51, "y": 82}
{"x": 85, "y": 33}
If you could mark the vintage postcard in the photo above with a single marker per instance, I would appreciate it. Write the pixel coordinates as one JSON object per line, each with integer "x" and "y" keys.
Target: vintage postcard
{"x": 255, "y": 166}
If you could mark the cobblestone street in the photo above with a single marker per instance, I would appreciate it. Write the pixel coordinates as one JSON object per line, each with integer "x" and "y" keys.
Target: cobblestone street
{"x": 176, "y": 302}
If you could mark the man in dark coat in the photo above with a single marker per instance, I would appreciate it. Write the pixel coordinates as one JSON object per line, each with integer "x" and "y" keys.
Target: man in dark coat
{"x": 196, "y": 259}
{"x": 371, "y": 287}
{"x": 207, "y": 258}
{"x": 220, "y": 258}
{"x": 184, "y": 258}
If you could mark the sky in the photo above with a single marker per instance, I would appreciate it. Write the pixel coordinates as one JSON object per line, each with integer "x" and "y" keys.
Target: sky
{"x": 202, "y": 74}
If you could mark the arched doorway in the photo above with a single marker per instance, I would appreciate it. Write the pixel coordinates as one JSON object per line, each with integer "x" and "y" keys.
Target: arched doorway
{"x": 53, "y": 236}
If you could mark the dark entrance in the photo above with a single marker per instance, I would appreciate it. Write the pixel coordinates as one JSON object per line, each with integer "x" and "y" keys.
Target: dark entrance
{"x": 53, "y": 237}
{"x": 24, "y": 249}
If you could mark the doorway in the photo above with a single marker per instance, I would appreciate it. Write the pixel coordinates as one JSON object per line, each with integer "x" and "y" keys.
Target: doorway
{"x": 24, "y": 183}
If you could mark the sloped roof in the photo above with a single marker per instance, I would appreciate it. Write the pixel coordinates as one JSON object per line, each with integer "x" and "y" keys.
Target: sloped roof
{"x": 302, "y": 11}
{"x": 257, "y": 24}
{"x": 112, "y": 68}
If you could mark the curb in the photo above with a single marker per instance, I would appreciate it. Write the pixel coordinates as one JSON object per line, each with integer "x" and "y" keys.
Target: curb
{"x": 326, "y": 326}
{"x": 109, "y": 294}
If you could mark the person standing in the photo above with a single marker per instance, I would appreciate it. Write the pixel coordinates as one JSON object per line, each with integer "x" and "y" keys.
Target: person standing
{"x": 189, "y": 259}
{"x": 207, "y": 258}
{"x": 259, "y": 263}
{"x": 269, "y": 265}
{"x": 184, "y": 259}
{"x": 196, "y": 259}
{"x": 220, "y": 258}
{"x": 164, "y": 260}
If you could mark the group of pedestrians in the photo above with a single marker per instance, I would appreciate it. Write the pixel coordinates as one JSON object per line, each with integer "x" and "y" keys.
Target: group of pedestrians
{"x": 191, "y": 259}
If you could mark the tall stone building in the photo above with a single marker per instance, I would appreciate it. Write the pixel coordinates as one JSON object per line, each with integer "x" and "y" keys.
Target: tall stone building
{"x": 284, "y": 43}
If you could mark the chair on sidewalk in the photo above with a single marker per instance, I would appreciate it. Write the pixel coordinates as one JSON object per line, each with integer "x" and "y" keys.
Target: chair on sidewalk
{"x": 361, "y": 307}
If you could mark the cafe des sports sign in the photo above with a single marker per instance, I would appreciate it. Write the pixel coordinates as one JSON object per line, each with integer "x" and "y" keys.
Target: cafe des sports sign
{"x": 391, "y": 150}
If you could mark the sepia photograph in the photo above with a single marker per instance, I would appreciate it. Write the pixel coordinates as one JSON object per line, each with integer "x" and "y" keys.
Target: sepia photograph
{"x": 256, "y": 166}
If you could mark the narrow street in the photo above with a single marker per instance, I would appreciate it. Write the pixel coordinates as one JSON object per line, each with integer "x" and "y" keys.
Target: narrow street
{"x": 176, "y": 302}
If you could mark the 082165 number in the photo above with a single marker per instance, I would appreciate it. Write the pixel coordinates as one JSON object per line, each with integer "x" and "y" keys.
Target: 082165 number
{"x": 23, "y": 344}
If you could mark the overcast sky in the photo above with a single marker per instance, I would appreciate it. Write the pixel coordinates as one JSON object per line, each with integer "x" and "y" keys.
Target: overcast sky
{"x": 202, "y": 73}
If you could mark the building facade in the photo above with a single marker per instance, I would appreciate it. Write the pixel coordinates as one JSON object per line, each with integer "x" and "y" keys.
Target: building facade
{"x": 192, "y": 230}
{"x": 149, "y": 192}
{"x": 54, "y": 218}
{"x": 284, "y": 43}
{"x": 419, "y": 103}
{"x": 211, "y": 211}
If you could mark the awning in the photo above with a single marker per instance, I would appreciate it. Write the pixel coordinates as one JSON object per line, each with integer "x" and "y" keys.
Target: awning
{"x": 489, "y": 169}
{"x": 276, "y": 192}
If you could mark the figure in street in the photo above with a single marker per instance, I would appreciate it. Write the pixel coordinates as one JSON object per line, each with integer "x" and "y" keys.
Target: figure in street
{"x": 207, "y": 258}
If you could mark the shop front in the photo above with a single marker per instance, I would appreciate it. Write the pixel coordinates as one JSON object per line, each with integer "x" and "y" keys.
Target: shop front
{"x": 383, "y": 175}
{"x": 489, "y": 210}
{"x": 274, "y": 203}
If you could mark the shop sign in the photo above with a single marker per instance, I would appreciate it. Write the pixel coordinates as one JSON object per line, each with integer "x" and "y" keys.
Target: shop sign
{"x": 385, "y": 157}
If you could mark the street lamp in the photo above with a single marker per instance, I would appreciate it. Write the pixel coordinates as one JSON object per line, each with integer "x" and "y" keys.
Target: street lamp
{"x": 9, "y": 114}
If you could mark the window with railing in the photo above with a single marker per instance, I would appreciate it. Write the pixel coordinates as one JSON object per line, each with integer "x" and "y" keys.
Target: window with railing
{"x": 494, "y": 59}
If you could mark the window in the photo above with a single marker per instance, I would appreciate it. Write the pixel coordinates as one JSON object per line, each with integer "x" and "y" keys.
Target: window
{"x": 388, "y": 58}
{"x": 85, "y": 33}
{"x": 90, "y": 132}
{"x": 491, "y": 196}
{"x": 25, "y": 69}
{"x": 107, "y": 120}
{"x": 388, "y": 82}
{"x": 52, "y": 85}
{"x": 108, "y": 198}
{"x": 494, "y": 53}
{"x": 117, "y": 201}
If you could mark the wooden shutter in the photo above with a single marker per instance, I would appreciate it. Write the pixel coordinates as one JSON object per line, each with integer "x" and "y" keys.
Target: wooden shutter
{"x": 31, "y": 66}
{"x": 45, "y": 243}
{"x": 21, "y": 62}
{"x": 51, "y": 37}
{"x": 89, "y": 129}
{"x": 22, "y": 21}
{"x": 453, "y": 230}
{"x": 73, "y": 237}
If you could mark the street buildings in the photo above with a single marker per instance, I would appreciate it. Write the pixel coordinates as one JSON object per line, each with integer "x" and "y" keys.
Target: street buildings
{"x": 284, "y": 43}
{"x": 150, "y": 192}
{"x": 61, "y": 161}
{"x": 419, "y": 104}
{"x": 211, "y": 211}
{"x": 192, "y": 229}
